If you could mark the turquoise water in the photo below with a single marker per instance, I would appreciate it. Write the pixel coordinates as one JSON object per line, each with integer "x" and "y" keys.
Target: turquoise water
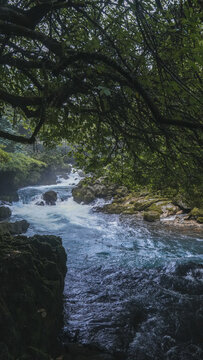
{"x": 131, "y": 289}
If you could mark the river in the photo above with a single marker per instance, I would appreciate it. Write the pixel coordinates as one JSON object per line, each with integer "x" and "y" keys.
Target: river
{"x": 135, "y": 290}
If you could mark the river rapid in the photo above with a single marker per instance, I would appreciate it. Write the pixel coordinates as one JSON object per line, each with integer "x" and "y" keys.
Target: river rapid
{"x": 134, "y": 290}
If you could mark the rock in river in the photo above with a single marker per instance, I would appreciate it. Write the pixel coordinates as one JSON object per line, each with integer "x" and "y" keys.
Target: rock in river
{"x": 15, "y": 228}
{"x": 50, "y": 197}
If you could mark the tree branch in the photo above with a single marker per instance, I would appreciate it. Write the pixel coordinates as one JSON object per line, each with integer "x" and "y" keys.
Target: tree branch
{"x": 16, "y": 100}
{"x": 16, "y": 138}
{"x": 17, "y": 30}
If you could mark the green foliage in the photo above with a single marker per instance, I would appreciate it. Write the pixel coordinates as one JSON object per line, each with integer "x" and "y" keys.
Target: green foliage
{"x": 57, "y": 158}
{"x": 24, "y": 167}
{"x": 4, "y": 157}
{"x": 121, "y": 82}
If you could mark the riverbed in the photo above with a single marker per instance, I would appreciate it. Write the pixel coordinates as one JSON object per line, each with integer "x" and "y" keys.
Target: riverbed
{"x": 132, "y": 290}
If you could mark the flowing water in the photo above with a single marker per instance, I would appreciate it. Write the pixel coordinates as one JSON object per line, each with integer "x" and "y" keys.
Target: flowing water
{"x": 134, "y": 290}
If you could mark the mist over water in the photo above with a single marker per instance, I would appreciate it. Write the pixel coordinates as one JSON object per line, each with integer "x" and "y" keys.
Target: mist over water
{"x": 135, "y": 290}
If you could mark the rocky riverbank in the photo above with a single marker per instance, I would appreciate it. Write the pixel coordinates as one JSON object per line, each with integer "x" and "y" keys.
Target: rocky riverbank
{"x": 145, "y": 205}
{"x": 32, "y": 276}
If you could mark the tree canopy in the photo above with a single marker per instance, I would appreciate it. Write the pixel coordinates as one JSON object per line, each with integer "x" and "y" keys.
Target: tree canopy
{"x": 113, "y": 77}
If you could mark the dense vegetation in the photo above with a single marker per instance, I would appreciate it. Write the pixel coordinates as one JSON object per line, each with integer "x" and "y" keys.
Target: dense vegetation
{"x": 120, "y": 80}
{"x": 24, "y": 167}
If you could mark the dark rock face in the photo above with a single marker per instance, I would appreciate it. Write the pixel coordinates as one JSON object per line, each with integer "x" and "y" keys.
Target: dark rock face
{"x": 32, "y": 279}
{"x": 5, "y": 212}
{"x": 7, "y": 182}
{"x": 15, "y": 228}
{"x": 50, "y": 197}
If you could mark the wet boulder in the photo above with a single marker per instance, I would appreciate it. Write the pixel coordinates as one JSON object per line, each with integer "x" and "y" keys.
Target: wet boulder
{"x": 5, "y": 212}
{"x": 15, "y": 228}
{"x": 50, "y": 197}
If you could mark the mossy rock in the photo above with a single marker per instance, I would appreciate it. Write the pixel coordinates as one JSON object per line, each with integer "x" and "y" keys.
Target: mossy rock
{"x": 129, "y": 211}
{"x": 163, "y": 207}
{"x": 196, "y": 212}
{"x": 155, "y": 207}
{"x": 112, "y": 209}
{"x": 89, "y": 189}
{"x": 83, "y": 195}
{"x": 141, "y": 205}
{"x": 151, "y": 216}
{"x": 200, "y": 219}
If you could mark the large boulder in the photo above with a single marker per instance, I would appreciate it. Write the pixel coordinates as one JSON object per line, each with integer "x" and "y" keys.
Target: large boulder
{"x": 151, "y": 216}
{"x": 84, "y": 192}
{"x": 15, "y": 228}
{"x": 32, "y": 276}
{"x": 50, "y": 197}
{"x": 84, "y": 195}
{"x": 5, "y": 212}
